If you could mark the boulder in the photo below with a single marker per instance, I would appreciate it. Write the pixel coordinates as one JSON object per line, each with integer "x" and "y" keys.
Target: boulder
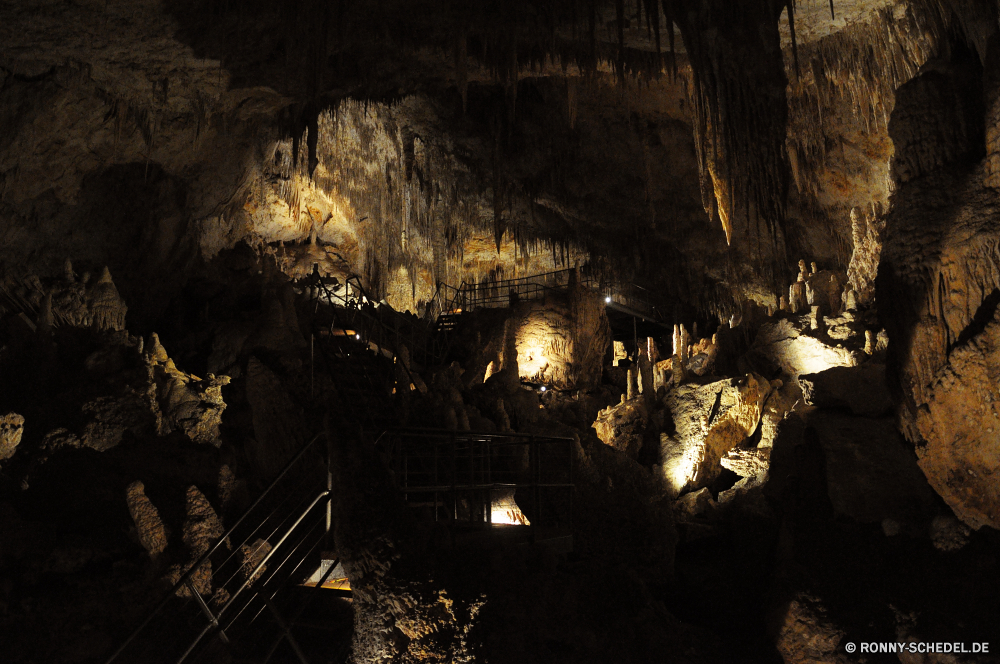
{"x": 863, "y": 389}
{"x": 710, "y": 421}
{"x": 806, "y": 634}
{"x": 623, "y": 426}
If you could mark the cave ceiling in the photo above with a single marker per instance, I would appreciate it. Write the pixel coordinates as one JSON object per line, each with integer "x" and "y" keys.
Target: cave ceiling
{"x": 428, "y": 141}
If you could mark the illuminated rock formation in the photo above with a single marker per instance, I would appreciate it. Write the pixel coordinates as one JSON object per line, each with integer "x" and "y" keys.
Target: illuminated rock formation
{"x": 149, "y": 527}
{"x": 11, "y": 430}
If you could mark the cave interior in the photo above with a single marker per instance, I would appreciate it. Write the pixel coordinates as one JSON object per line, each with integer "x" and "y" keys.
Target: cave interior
{"x": 573, "y": 331}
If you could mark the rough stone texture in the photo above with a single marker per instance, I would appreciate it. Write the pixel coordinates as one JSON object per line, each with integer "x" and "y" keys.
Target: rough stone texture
{"x": 823, "y": 290}
{"x": 785, "y": 343}
{"x": 711, "y": 420}
{"x": 202, "y": 525}
{"x": 11, "y": 430}
{"x": 862, "y": 390}
{"x": 183, "y": 401}
{"x": 106, "y": 304}
{"x": 747, "y": 462}
{"x": 149, "y": 527}
{"x": 941, "y": 276}
{"x": 935, "y": 121}
{"x": 805, "y": 633}
{"x": 867, "y": 229}
{"x": 871, "y": 474}
{"x": 623, "y": 426}
{"x": 561, "y": 342}
{"x": 253, "y": 555}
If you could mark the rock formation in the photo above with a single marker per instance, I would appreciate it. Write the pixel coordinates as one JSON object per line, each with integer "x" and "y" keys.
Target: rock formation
{"x": 11, "y": 430}
{"x": 149, "y": 527}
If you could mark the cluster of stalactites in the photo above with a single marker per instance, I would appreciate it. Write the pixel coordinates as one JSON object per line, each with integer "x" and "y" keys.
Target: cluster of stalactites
{"x": 739, "y": 98}
{"x": 411, "y": 204}
{"x": 861, "y": 66}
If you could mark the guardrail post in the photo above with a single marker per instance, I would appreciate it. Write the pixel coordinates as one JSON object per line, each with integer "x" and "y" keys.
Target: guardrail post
{"x": 207, "y": 611}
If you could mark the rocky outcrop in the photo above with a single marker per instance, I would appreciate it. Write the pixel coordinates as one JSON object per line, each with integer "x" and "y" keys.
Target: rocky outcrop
{"x": 710, "y": 421}
{"x": 183, "y": 401}
{"x": 940, "y": 275}
{"x": 202, "y": 525}
{"x": 561, "y": 342}
{"x": 787, "y": 345}
{"x": 623, "y": 426}
{"x": 805, "y": 633}
{"x": 149, "y": 527}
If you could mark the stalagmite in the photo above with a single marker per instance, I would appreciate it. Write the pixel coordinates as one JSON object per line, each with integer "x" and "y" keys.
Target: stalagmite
{"x": 814, "y": 270}
{"x": 815, "y": 318}
{"x": 797, "y": 300}
{"x": 645, "y": 378}
{"x": 68, "y": 273}
{"x": 633, "y": 383}
{"x": 851, "y": 300}
{"x": 869, "y": 342}
{"x": 107, "y": 306}
{"x": 783, "y": 303}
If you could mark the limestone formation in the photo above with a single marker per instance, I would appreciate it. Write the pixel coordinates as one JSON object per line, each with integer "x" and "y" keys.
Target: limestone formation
{"x": 11, "y": 429}
{"x": 867, "y": 228}
{"x": 106, "y": 304}
{"x": 633, "y": 384}
{"x": 806, "y": 633}
{"x": 623, "y": 426}
{"x": 784, "y": 343}
{"x": 783, "y": 303}
{"x": 797, "y": 301}
{"x": 251, "y": 556}
{"x": 711, "y": 420}
{"x": 149, "y": 527}
{"x": 816, "y": 319}
{"x": 869, "y": 342}
{"x": 202, "y": 525}
{"x": 823, "y": 290}
{"x": 619, "y": 353}
{"x": 182, "y": 401}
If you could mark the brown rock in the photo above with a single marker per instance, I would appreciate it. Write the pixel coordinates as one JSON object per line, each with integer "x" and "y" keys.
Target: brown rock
{"x": 202, "y": 525}
{"x": 148, "y": 525}
{"x": 806, "y": 634}
{"x": 623, "y": 426}
{"x": 11, "y": 429}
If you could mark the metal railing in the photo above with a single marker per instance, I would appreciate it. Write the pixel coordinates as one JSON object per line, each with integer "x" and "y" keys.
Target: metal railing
{"x": 267, "y": 546}
{"x": 504, "y": 292}
{"x": 464, "y": 473}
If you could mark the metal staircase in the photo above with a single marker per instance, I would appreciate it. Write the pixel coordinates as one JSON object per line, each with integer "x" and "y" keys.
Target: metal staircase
{"x": 231, "y": 604}
{"x": 261, "y": 593}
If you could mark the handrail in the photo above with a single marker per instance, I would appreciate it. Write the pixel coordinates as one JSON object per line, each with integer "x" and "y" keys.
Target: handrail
{"x": 186, "y": 578}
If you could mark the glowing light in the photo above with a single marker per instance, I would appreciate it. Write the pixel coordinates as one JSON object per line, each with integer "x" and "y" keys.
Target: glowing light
{"x": 543, "y": 388}
{"x": 507, "y": 512}
{"x": 357, "y": 336}
{"x": 608, "y": 299}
